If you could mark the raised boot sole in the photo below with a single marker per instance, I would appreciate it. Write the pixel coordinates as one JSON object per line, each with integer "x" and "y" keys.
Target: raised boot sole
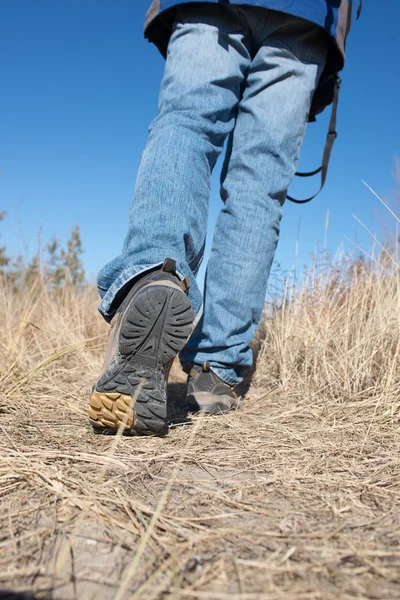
{"x": 132, "y": 393}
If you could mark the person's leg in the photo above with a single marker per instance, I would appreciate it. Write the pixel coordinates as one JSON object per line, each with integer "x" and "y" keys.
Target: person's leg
{"x": 151, "y": 315}
{"x": 263, "y": 157}
{"x": 207, "y": 60}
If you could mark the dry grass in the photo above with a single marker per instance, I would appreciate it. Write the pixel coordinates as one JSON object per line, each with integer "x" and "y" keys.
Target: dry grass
{"x": 295, "y": 496}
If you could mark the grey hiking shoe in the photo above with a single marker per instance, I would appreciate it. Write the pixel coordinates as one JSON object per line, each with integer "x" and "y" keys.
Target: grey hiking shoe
{"x": 208, "y": 392}
{"x": 148, "y": 330}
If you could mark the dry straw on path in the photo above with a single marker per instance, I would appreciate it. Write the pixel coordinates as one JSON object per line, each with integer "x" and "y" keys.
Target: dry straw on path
{"x": 295, "y": 496}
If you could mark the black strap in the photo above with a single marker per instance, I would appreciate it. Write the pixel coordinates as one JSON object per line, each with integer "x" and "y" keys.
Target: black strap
{"x": 330, "y": 140}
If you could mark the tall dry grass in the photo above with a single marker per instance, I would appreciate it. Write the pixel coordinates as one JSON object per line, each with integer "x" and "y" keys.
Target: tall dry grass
{"x": 337, "y": 336}
{"x": 51, "y": 342}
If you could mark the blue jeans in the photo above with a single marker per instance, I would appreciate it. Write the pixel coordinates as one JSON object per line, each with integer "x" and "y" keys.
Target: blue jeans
{"x": 236, "y": 73}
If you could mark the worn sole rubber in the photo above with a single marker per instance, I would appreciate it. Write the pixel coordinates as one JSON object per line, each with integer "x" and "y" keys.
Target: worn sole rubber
{"x": 132, "y": 394}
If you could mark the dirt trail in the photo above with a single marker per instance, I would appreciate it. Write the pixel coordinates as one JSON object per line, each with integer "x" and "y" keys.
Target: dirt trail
{"x": 290, "y": 497}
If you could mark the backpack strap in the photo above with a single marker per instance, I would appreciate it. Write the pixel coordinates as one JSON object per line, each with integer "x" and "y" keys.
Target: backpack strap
{"x": 332, "y": 133}
{"x": 330, "y": 140}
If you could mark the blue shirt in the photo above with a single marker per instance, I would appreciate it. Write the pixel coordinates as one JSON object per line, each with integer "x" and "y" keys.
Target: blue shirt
{"x": 331, "y": 15}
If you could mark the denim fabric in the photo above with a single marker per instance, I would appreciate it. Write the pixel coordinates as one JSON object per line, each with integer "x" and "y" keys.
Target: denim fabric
{"x": 247, "y": 74}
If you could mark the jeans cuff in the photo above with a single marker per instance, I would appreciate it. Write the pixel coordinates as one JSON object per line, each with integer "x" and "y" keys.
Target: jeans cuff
{"x": 106, "y": 308}
{"x": 227, "y": 375}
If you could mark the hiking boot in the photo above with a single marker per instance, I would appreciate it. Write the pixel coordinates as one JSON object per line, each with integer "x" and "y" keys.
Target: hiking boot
{"x": 148, "y": 330}
{"x": 208, "y": 392}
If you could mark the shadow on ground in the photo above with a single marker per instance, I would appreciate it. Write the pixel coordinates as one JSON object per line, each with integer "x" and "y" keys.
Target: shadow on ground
{"x": 7, "y": 595}
{"x": 177, "y": 413}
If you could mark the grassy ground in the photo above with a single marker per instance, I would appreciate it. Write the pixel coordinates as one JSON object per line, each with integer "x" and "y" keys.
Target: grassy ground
{"x": 295, "y": 496}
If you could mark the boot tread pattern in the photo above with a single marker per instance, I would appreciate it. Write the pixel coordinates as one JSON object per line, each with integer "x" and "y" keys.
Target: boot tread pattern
{"x": 154, "y": 329}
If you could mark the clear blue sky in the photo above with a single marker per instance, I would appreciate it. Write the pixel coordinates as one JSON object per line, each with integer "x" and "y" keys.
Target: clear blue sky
{"x": 79, "y": 87}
